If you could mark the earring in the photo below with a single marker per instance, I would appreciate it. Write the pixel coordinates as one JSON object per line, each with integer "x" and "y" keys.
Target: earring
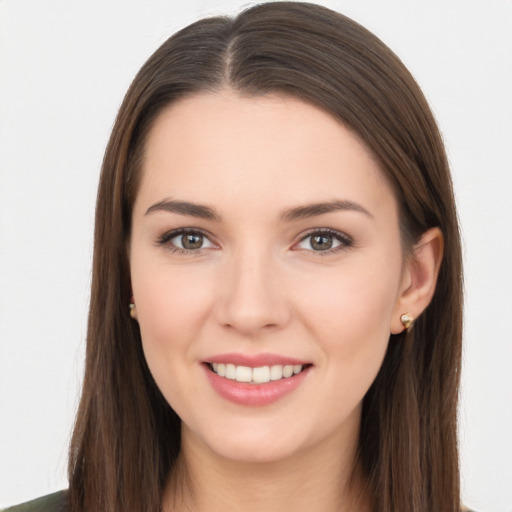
{"x": 132, "y": 310}
{"x": 407, "y": 320}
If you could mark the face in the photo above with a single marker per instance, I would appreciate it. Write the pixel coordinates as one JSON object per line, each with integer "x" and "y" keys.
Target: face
{"x": 266, "y": 265}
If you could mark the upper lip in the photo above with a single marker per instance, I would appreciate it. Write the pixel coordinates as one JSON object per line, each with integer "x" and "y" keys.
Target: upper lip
{"x": 255, "y": 360}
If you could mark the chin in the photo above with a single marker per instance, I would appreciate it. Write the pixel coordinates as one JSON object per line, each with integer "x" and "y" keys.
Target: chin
{"x": 256, "y": 453}
{"x": 252, "y": 444}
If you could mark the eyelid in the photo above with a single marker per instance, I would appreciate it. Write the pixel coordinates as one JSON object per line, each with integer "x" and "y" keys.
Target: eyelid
{"x": 164, "y": 240}
{"x": 345, "y": 240}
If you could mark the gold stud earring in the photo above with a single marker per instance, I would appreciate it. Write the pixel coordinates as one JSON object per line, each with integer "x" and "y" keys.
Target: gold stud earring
{"x": 132, "y": 310}
{"x": 407, "y": 320}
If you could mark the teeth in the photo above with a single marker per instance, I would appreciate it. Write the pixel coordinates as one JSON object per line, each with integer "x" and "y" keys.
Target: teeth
{"x": 231, "y": 371}
{"x": 276, "y": 372}
{"x": 288, "y": 370}
{"x": 258, "y": 375}
{"x": 243, "y": 374}
{"x": 261, "y": 374}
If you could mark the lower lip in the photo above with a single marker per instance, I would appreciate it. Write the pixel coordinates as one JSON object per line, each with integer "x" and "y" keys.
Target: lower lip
{"x": 254, "y": 394}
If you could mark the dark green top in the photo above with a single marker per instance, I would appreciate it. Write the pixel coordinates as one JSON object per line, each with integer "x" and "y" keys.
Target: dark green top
{"x": 56, "y": 502}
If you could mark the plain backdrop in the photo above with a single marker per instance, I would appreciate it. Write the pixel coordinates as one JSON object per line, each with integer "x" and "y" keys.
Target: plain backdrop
{"x": 64, "y": 68}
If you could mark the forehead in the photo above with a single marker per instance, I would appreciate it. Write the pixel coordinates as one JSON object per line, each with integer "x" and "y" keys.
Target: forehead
{"x": 226, "y": 148}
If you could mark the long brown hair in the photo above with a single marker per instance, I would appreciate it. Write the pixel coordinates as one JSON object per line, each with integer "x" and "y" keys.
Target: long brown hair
{"x": 127, "y": 438}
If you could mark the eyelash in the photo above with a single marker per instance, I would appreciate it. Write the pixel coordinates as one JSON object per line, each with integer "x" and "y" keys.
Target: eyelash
{"x": 163, "y": 241}
{"x": 345, "y": 241}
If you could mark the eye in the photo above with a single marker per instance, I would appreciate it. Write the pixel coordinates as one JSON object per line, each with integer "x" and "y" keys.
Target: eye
{"x": 185, "y": 240}
{"x": 326, "y": 240}
{"x": 190, "y": 241}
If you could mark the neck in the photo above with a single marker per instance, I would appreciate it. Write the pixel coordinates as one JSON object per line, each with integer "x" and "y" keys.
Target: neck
{"x": 310, "y": 480}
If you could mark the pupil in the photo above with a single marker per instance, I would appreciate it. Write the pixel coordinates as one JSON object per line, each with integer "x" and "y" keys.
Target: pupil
{"x": 321, "y": 243}
{"x": 192, "y": 241}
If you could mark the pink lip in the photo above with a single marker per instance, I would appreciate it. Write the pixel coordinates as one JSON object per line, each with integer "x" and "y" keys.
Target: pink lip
{"x": 255, "y": 360}
{"x": 243, "y": 393}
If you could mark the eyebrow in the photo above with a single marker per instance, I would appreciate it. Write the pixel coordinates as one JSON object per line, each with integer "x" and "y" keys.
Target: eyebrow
{"x": 290, "y": 215}
{"x": 314, "y": 209}
{"x": 184, "y": 208}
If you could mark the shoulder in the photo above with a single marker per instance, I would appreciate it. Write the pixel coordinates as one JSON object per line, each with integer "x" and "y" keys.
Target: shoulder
{"x": 56, "y": 502}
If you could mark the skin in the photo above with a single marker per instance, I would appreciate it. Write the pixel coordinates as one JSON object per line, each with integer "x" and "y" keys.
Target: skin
{"x": 257, "y": 285}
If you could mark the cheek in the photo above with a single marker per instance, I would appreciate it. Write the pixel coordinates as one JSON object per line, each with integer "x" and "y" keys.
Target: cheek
{"x": 351, "y": 312}
{"x": 170, "y": 305}
{"x": 349, "y": 317}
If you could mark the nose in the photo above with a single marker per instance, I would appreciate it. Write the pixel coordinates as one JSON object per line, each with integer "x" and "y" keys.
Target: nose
{"x": 253, "y": 298}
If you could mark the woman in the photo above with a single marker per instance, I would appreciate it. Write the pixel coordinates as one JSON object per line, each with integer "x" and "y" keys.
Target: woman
{"x": 276, "y": 301}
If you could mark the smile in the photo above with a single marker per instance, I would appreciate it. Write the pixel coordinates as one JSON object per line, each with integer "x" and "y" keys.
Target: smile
{"x": 257, "y": 375}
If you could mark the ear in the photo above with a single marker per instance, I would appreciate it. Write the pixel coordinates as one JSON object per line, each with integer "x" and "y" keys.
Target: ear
{"x": 419, "y": 278}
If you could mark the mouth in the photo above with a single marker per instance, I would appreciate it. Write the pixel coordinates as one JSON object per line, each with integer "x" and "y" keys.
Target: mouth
{"x": 259, "y": 374}
{"x": 255, "y": 380}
